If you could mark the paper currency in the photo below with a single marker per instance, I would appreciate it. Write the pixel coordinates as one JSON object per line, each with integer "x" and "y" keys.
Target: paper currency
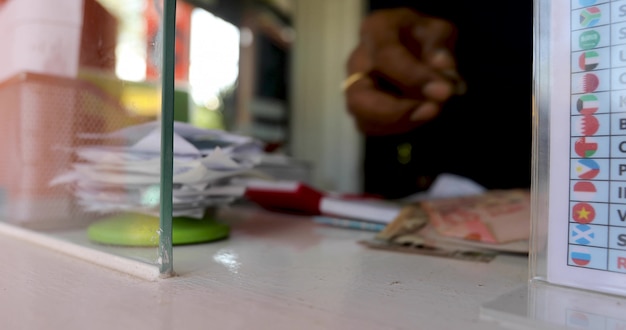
{"x": 497, "y": 216}
{"x": 463, "y": 254}
{"x": 470, "y": 227}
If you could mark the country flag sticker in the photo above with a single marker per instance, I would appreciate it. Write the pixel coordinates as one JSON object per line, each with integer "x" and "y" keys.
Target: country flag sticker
{"x": 583, "y": 213}
{"x": 589, "y": 39}
{"x": 579, "y": 255}
{"x": 585, "y": 147}
{"x": 587, "y": 125}
{"x": 587, "y": 169}
{"x": 584, "y": 190}
{"x": 590, "y": 16}
{"x": 588, "y": 60}
{"x": 590, "y": 82}
{"x": 582, "y": 234}
{"x": 587, "y": 104}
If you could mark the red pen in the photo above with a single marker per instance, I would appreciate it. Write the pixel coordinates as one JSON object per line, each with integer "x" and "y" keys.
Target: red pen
{"x": 299, "y": 198}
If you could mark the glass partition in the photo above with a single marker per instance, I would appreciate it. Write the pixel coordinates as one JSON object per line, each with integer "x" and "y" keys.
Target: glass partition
{"x": 112, "y": 110}
{"x": 88, "y": 107}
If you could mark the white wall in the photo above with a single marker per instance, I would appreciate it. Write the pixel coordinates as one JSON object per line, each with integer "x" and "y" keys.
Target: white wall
{"x": 322, "y": 131}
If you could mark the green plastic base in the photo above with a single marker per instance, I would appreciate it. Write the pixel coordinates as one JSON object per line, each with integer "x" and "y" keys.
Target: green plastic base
{"x": 133, "y": 229}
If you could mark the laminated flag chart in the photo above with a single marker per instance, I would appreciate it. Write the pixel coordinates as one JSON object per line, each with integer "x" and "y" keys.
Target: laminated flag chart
{"x": 587, "y": 223}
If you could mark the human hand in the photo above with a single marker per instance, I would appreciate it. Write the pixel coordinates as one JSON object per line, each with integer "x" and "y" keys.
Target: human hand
{"x": 402, "y": 71}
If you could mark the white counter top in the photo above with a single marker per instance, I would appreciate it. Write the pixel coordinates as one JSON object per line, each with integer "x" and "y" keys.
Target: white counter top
{"x": 275, "y": 272}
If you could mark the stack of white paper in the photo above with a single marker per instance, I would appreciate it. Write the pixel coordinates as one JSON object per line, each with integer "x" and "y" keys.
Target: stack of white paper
{"x": 120, "y": 171}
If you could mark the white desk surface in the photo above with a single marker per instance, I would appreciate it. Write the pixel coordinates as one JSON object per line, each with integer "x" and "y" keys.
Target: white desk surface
{"x": 274, "y": 272}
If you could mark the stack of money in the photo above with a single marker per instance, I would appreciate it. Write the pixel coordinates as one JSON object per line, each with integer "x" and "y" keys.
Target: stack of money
{"x": 474, "y": 227}
{"x": 120, "y": 171}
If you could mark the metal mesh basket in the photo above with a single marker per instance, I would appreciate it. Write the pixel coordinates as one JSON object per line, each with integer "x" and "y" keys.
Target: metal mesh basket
{"x": 41, "y": 118}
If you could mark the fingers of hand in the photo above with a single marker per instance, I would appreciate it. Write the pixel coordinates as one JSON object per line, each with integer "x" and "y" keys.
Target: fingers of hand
{"x": 433, "y": 34}
{"x": 367, "y": 102}
{"x": 377, "y": 112}
{"x": 411, "y": 71}
{"x": 397, "y": 65}
{"x": 410, "y": 51}
{"x": 435, "y": 79}
{"x": 359, "y": 60}
{"x": 425, "y": 112}
{"x": 435, "y": 39}
{"x": 440, "y": 59}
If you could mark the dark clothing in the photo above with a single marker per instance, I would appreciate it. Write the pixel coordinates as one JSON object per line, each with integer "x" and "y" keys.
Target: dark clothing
{"x": 485, "y": 134}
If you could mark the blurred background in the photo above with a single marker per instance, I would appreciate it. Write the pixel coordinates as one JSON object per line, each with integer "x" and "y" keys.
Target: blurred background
{"x": 271, "y": 69}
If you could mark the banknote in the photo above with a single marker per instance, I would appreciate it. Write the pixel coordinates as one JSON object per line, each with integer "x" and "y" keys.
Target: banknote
{"x": 454, "y": 253}
{"x": 497, "y": 216}
{"x": 472, "y": 227}
{"x": 411, "y": 232}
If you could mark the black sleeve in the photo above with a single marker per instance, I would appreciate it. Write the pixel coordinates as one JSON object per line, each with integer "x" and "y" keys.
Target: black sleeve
{"x": 484, "y": 135}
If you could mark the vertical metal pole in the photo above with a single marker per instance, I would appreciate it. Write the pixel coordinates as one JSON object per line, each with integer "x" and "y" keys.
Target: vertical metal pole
{"x": 167, "y": 130}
